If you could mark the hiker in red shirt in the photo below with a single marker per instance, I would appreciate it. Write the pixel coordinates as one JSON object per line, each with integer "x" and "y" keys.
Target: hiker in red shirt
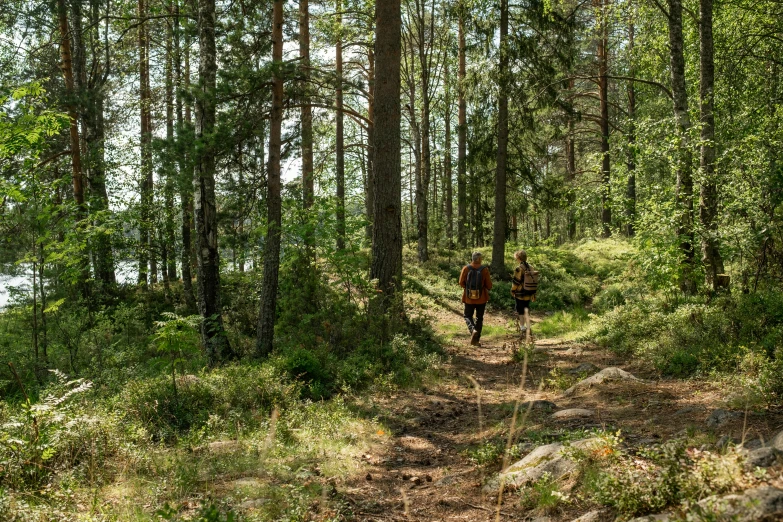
{"x": 476, "y": 283}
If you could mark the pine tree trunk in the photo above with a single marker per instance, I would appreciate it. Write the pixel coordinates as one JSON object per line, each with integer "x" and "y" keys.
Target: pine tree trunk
{"x": 168, "y": 245}
{"x": 269, "y": 284}
{"x": 184, "y": 124}
{"x": 708, "y": 204}
{"x": 603, "y": 93}
{"x": 145, "y": 205}
{"x": 67, "y": 68}
{"x": 386, "y": 264}
{"x": 448, "y": 184}
{"x": 571, "y": 171}
{"x": 684, "y": 190}
{"x": 308, "y": 185}
{"x": 213, "y": 334}
{"x": 422, "y": 203}
{"x": 499, "y": 229}
{"x": 631, "y": 164}
{"x": 462, "y": 138}
{"x": 369, "y": 194}
{"x": 340, "y": 134}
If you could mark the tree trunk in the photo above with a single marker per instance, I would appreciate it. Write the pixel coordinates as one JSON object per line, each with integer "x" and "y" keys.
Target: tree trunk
{"x": 571, "y": 171}
{"x": 308, "y": 186}
{"x": 340, "y": 134}
{"x": 447, "y": 170}
{"x": 603, "y": 93}
{"x": 185, "y": 167}
{"x": 631, "y": 164}
{"x": 269, "y": 284}
{"x": 95, "y": 139}
{"x": 462, "y": 138}
{"x": 422, "y": 203}
{"x": 386, "y": 264}
{"x": 145, "y": 205}
{"x": 168, "y": 245}
{"x": 67, "y": 68}
{"x": 684, "y": 190}
{"x": 708, "y": 204}
{"x": 499, "y": 230}
{"x": 369, "y": 194}
{"x": 213, "y": 333}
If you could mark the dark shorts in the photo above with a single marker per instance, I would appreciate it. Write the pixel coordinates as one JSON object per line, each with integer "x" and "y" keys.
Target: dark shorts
{"x": 521, "y": 305}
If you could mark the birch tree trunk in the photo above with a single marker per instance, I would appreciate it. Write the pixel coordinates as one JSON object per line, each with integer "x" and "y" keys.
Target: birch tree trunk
{"x": 340, "y": 133}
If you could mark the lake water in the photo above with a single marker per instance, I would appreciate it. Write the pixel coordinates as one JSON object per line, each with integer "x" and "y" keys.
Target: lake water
{"x": 11, "y": 284}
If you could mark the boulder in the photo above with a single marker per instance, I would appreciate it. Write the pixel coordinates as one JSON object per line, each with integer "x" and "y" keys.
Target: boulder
{"x": 573, "y": 413}
{"x": 538, "y": 405}
{"x": 550, "y": 458}
{"x": 593, "y": 516}
{"x": 611, "y": 374}
{"x": 721, "y": 417}
{"x": 583, "y": 368}
{"x": 777, "y": 441}
{"x": 762, "y": 457}
{"x": 762, "y": 504}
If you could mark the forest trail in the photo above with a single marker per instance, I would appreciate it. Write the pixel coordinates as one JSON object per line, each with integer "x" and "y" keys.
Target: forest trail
{"x": 432, "y": 468}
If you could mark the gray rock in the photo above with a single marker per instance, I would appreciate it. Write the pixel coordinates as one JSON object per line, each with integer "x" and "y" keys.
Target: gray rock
{"x": 593, "y": 516}
{"x": 253, "y": 504}
{"x": 762, "y": 504}
{"x": 584, "y": 368}
{"x": 689, "y": 409}
{"x": 663, "y": 517}
{"x": 611, "y": 374}
{"x": 777, "y": 441}
{"x": 573, "y": 413}
{"x": 753, "y": 444}
{"x": 538, "y": 405}
{"x": 723, "y": 442}
{"x": 550, "y": 458}
{"x": 721, "y": 417}
{"x": 762, "y": 457}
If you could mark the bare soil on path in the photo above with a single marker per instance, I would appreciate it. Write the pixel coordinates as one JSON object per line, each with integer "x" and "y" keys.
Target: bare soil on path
{"x": 429, "y": 469}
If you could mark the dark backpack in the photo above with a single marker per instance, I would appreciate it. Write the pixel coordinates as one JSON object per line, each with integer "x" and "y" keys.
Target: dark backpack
{"x": 474, "y": 282}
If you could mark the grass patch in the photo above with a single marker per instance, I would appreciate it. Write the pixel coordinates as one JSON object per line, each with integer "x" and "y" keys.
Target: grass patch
{"x": 563, "y": 323}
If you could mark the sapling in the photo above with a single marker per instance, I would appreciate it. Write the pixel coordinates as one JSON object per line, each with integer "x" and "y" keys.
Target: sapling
{"x": 174, "y": 337}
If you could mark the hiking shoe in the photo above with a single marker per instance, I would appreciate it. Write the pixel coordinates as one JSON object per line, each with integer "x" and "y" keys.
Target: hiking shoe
{"x": 474, "y": 339}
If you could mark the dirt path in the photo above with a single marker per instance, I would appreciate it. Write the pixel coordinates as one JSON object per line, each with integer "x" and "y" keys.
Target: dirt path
{"x": 434, "y": 467}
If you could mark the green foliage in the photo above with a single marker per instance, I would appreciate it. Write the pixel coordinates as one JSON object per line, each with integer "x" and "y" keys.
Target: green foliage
{"x": 663, "y": 476}
{"x": 544, "y": 495}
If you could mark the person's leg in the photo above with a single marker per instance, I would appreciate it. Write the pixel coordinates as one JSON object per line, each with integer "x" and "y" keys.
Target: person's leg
{"x": 480, "y": 317}
{"x": 519, "y": 308}
{"x": 528, "y": 331}
{"x": 468, "y": 315}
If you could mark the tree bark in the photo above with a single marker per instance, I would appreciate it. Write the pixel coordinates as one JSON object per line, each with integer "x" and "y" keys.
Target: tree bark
{"x": 168, "y": 245}
{"x": 213, "y": 334}
{"x": 369, "y": 194}
{"x": 67, "y": 68}
{"x": 499, "y": 230}
{"x": 386, "y": 264}
{"x": 447, "y": 169}
{"x": 340, "y": 134}
{"x": 684, "y": 189}
{"x": 184, "y": 126}
{"x": 269, "y": 284}
{"x": 708, "y": 204}
{"x": 308, "y": 185}
{"x": 462, "y": 138}
{"x": 631, "y": 163}
{"x": 571, "y": 171}
{"x": 603, "y": 93}
{"x": 423, "y": 181}
{"x": 145, "y": 143}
